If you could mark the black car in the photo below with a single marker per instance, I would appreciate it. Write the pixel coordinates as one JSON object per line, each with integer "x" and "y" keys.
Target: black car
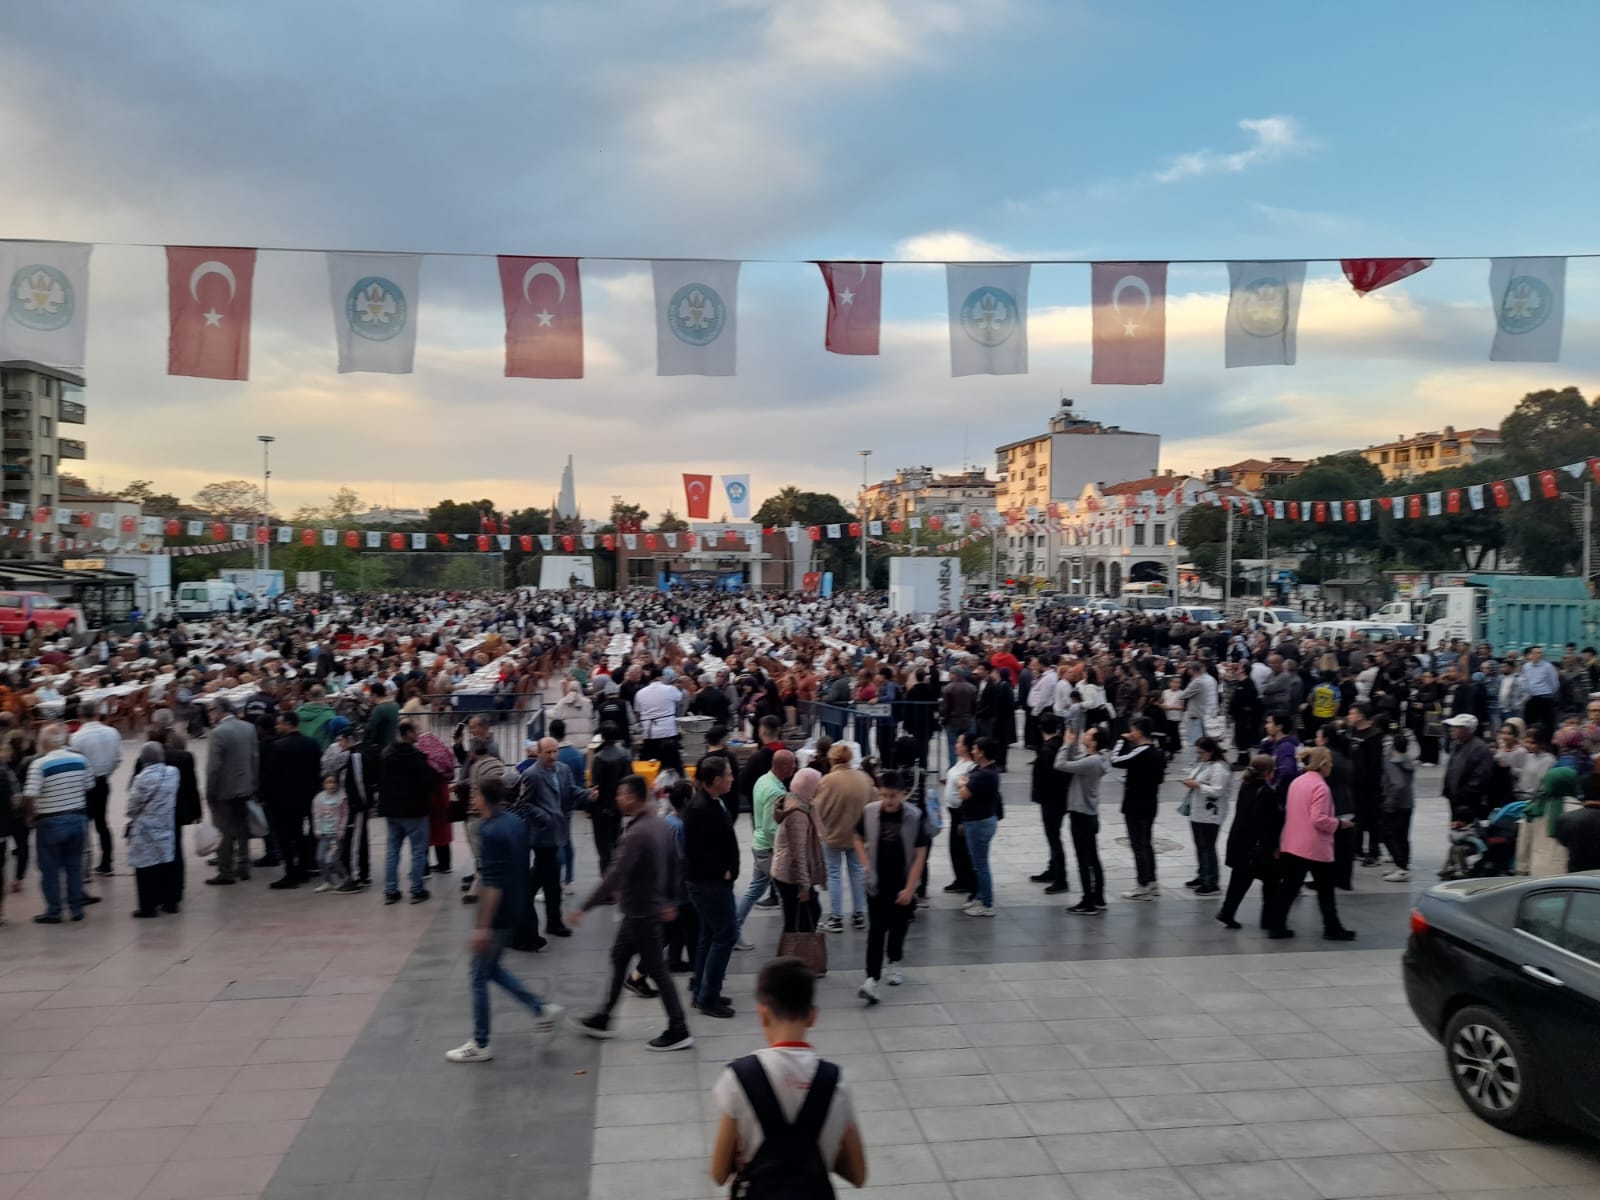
{"x": 1506, "y": 974}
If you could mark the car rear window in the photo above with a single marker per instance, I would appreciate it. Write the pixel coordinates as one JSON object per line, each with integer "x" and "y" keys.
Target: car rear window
{"x": 10, "y": 601}
{"x": 1542, "y": 914}
{"x": 1581, "y": 931}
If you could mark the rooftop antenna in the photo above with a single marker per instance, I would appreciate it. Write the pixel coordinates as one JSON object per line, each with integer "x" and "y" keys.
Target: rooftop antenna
{"x": 964, "y": 463}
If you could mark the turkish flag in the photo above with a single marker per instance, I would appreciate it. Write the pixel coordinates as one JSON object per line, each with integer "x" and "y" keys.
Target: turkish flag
{"x": 483, "y": 543}
{"x": 1130, "y": 322}
{"x": 936, "y": 523}
{"x": 697, "y": 493}
{"x": 397, "y": 541}
{"x": 85, "y": 518}
{"x": 127, "y": 524}
{"x": 649, "y": 542}
{"x": 896, "y": 525}
{"x": 568, "y": 542}
{"x": 855, "y": 306}
{"x": 974, "y": 520}
{"x": 1594, "y": 468}
{"x": 608, "y": 541}
{"x": 1452, "y": 500}
{"x": 308, "y": 537}
{"x": 1294, "y": 510}
{"x": 1548, "y": 486}
{"x": 1502, "y": 494}
{"x": 1413, "y": 506}
{"x": 1352, "y": 511}
{"x": 816, "y": 533}
{"x": 526, "y": 542}
{"x": 208, "y": 301}
{"x": 690, "y": 540}
{"x": 444, "y": 538}
{"x": 1320, "y": 508}
{"x": 218, "y": 531}
{"x": 261, "y": 536}
{"x": 1370, "y": 274}
{"x": 855, "y": 528}
{"x": 1012, "y": 518}
{"x": 544, "y": 318}
{"x": 173, "y": 527}
{"x": 352, "y": 538}
{"x": 41, "y": 516}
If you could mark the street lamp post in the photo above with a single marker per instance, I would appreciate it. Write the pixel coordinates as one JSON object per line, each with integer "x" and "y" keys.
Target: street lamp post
{"x": 861, "y": 515}
{"x": 266, "y": 440}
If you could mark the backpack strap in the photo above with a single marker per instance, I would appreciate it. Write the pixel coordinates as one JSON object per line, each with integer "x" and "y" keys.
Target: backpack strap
{"x": 752, "y": 1077}
{"x": 813, "y": 1114}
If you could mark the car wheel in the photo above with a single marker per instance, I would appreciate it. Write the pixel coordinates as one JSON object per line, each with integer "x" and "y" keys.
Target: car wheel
{"x": 1493, "y": 1069}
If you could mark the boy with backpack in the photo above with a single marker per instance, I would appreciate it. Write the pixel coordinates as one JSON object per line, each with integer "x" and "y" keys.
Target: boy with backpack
{"x": 786, "y": 1120}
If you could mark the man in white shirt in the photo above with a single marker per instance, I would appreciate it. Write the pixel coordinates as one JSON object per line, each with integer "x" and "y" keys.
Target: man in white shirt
{"x": 53, "y": 796}
{"x": 656, "y": 705}
{"x": 101, "y": 747}
{"x": 1041, "y": 699}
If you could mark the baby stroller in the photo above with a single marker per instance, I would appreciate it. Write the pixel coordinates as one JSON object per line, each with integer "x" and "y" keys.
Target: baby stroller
{"x": 1486, "y": 847}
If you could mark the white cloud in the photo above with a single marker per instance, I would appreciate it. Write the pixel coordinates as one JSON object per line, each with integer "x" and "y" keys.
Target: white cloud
{"x": 951, "y": 245}
{"x": 1272, "y": 138}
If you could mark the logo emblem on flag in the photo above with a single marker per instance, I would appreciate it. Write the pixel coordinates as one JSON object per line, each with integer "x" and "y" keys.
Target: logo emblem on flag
{"x": 696, "y": 314}
{"x": 376, "y": 309}
{"x": 1526, "y": 305}
{"x": 1264, "y": 307}
{"x": 41, "y": 298}
{"x": 989, "y": 315}
{"x": 736, "y": 491}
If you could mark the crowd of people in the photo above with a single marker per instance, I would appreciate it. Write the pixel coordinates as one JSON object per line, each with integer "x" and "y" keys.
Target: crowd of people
{"x": 818, "y": 716}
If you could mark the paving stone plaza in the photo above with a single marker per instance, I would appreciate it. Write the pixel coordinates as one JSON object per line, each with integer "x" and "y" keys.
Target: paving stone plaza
{"x": 291, "y": 1045}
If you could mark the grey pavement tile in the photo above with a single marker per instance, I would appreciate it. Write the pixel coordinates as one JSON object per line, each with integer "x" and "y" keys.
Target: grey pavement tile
{"x": 1575, "y": 1162}
{"x": 918, "y": 1037}
{"x": 1237, "y": 1076}
{"x": 1273, "y": 1020}
{"x": 1433, "y": 1131}
{"x": 1046, "y": 1117}
{"x": 1121, "y": 1054}
{"x": 1109, "y": 1151}
{"x": 1303, "y": 1139}
{"x": 1143, "y": 1081}
{"x": 1329, "y": 1072}
{"x": 1186, "y": 1050}
{"x": 1158, "y": 1005}
{"x": 876, "y": 1093}
{"x": 1193, "y": 1146}
{"x": 1049, "y": 1085}
{"x": 902, "y": 1164}
{"x": 1094, "y": 1030}
{"x": 124, "y": 1182}
{"x": 31, "y": 1153}
{"x": 1131, "y": 1185}
{"x": 1186, "y": 1026}
{"x": 675, "y": 1179}
{"x": 967, "y": 1124}
{"x": 1477, "y": 1169}
{"x": 1046, "y": 1057}
{"x": 650, "y": 1143}
{"x": 1005, "y": 1033}
{"x": 889, "y": 1127}
{"x": 1410, "y": 1066}
{"x": 1360, "y": 1175}
{"x": 1036, "y": 1187}
{"x": 943, "y": 1091}
{"x": 931, "y": 1190}
{"x": 202, "y": 1179}
{"x": 972, "y": 1012}
{"x": 920, "y": 1064}
{"x": 996, "y": 1159}
{"x": 108, "y": 1148}
{"x": 1073, "y": 1008}
{"x": 1371, "y": 1100}
{"x": 1248, "y": 1181}
{"x": 1279, "y": 1046}
{"x": 1173, "y": 1112}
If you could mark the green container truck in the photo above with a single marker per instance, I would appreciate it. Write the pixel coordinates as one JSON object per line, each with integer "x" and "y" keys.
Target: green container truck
{"x": 1512, "y": 612}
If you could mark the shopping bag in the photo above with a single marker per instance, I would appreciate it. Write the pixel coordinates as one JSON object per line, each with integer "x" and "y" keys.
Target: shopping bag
{"x": 207, "y": 837}
{"x": 258, "y": 819}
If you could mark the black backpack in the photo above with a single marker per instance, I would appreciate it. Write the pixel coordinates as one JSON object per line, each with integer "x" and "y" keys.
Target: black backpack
{"x": 789, "y": 1165}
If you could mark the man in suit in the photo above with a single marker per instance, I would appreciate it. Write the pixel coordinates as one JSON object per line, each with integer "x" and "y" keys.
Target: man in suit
{"x": 291, "y": 774}
{"x": 996, "y": 708}
{"x": 231, "y": 779}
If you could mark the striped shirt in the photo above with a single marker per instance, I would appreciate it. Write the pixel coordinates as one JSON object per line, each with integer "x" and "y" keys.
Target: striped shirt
{"x": 57, "y": 783}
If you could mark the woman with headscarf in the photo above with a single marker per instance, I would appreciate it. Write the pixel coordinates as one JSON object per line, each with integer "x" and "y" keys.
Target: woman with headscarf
{"x": 1538, "y": 852}
{"x": 152, "y": 808}
{"x": 798, "y": 868}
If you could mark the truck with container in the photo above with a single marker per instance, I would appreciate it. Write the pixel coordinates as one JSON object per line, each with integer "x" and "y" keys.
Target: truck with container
{"x": 1513, "y": 612}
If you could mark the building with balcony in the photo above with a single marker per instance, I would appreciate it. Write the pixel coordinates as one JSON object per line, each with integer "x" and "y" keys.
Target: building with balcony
{"x": 1449, "y": 447}
{"x": 1255, "y": 474}
{"x": 920, "y": 492}
{"x": 35, "y": 401}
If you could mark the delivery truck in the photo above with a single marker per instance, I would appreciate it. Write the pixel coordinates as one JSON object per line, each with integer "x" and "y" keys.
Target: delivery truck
{"x": 1512, "y": 612}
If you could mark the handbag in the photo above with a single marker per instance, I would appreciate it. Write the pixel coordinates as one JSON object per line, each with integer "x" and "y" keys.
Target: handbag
{"x": 257, "y": 819}
{"x": 207, "y": 838}
{"x": 810, "y": 947}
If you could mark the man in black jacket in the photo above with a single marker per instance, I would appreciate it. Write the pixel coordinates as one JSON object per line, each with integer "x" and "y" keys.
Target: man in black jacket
{"x": 710, "y": 867}
{"x": 1469, "y": 698}
{"x": 405, "y": 781}
{"x": 1142, "y": 759}
{"x": 360, "y": 783}
{"x": 1468, "y": 772}
{"x": 1366, "y": 759}
{"x": 997, "y": 705}
{"x": 291, "y": 774}
{"x": 612, "y": 764}
{"x": 1049, "y": 792}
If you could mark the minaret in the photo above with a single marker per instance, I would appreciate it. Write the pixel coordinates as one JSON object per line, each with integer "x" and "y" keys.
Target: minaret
{"x": 567, "y": 505}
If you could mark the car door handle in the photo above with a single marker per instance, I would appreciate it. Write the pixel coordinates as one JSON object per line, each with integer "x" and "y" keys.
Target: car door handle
{"x": 1543, "y": 976}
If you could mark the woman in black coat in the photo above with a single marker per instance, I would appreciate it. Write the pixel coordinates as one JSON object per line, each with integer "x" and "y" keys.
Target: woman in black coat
{"x": 1252, "y": 838}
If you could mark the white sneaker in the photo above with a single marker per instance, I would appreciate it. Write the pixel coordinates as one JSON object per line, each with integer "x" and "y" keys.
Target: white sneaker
{"x": 325, "y": 887}
{"x": 469, "y": 1052}
{"x": 979, "y": 910}
{"x": 742, "y": 944}
{"x": 546, "y": 1021}
{"x": 868, "y": 991}
{"x": 1140, "y": 893}
{"x": 1397, "y": 877}
{"x": 894, "y": 976}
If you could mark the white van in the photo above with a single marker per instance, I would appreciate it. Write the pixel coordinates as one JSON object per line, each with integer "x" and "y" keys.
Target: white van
{"x": 210, "y": 597}
{"x": 1370, "y": 631}
{"x": 1277, "y": 620}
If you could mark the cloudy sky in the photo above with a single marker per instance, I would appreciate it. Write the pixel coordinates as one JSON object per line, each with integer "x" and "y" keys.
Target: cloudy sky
{"x": 789, "y": 130}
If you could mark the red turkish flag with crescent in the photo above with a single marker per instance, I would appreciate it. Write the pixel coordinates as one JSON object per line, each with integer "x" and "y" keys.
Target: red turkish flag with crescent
{"x": 526, "y": 542}
{"x": 352, "y": 538}
{"x": 1502, "y": 493}
{"x": 308, "y": 537}
{"x": 442, "y": 538}
{"x": 608, "y": 541}
{"x": 1320, "y": 509}
{"x": 1386, "y": 502}
{"x": 127, "y": 525}
{"x": 568, "y": 542}
{"x": 483, "y": 543}
{"x": 697, "y": 495}
{"x": 816, "y": 533}
{"x": 1413, "y": 506}
{"x": 855, "y": 528}
{"x": 1370, "y": 274}
{"x": 855, "y": 306}
{"x": 1452, "y": 500}
{"x": 1294, "y": 510}
{"x": 1548, "y": 487}
{"x": 544, "y": 317}
{"x": 208, "y": 301}
{"x": 1594, "y": 469}
{"x": 1130, "y": 322}
{"x": 896, "y": 525}
{"x": 218, "y": 531}
{"x": 1352, "y": 511}
{"x": 936, "y": 523}
{"x": 974, "y": 519}
{"x": 397, "y": 541}
{"x": 691, "y": 540}
{"x": 173, "y": 527}
{"x": 261, "y": 535}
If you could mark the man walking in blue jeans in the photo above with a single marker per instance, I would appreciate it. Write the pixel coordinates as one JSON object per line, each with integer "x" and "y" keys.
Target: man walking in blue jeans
{"x": 502, "y": 904}
{"x": 981, "y": 810}
{"x": 55, "y": 801}
{"x": 405, "y": 783}
{"x": 769, "y": 790}
{"x": 711, "y": 864}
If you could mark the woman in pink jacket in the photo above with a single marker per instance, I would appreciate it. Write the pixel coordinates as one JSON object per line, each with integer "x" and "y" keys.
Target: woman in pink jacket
{"x": 1306, "y": 847}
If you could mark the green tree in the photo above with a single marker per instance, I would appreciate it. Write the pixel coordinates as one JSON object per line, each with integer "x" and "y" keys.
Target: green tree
{"x": 230, "y": 500}
{"x": 671, "y": 522}
{"x": 143, "y": 493}
{"x": 791, "y": 506}
{"x": 454, "y": 516}
{"x": 1550, "y": 427}
{"x": 625, "y": 516}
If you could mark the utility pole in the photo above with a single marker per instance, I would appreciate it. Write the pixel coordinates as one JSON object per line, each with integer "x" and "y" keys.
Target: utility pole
{"x": 1227, "y": 558}
{"x": 1588, "y": 532}
{"x": 266, "y": 440}
{"x": 861, "y": 515}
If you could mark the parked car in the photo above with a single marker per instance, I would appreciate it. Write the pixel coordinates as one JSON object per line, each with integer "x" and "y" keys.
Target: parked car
{"x": 1371, "y": 631}
{"x": 1505, "y": 972}
{"x": 1197, "y": 614}
{"x": 22, "y": 613}
{"x": 1277, "y": 620}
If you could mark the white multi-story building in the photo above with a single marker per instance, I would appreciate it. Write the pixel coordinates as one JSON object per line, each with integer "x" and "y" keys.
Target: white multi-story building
{"x": 921, "y": 492}
{"x": 36, "y": 402}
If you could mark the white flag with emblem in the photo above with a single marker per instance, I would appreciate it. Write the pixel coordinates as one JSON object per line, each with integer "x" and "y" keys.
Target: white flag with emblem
{"x": 988, "y": 318}
{"x": 1366, "y": 510}
{"x": 1529, "y": 297}
{"x": 1263, "y": 311}
{"x": 737, "y": 489}
{"x": 588, "y": 541}
{"x": 1475, "y": 496}
{"x": 696, "y": 317}
{"x": 419, "y": 541}
{"x": 1435, "y": 504}
{"x": 375, "y": 310}
{"x": 374, "y": 539}
{"x": 285, "y": 533}
{"x": 44, "y": 312}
